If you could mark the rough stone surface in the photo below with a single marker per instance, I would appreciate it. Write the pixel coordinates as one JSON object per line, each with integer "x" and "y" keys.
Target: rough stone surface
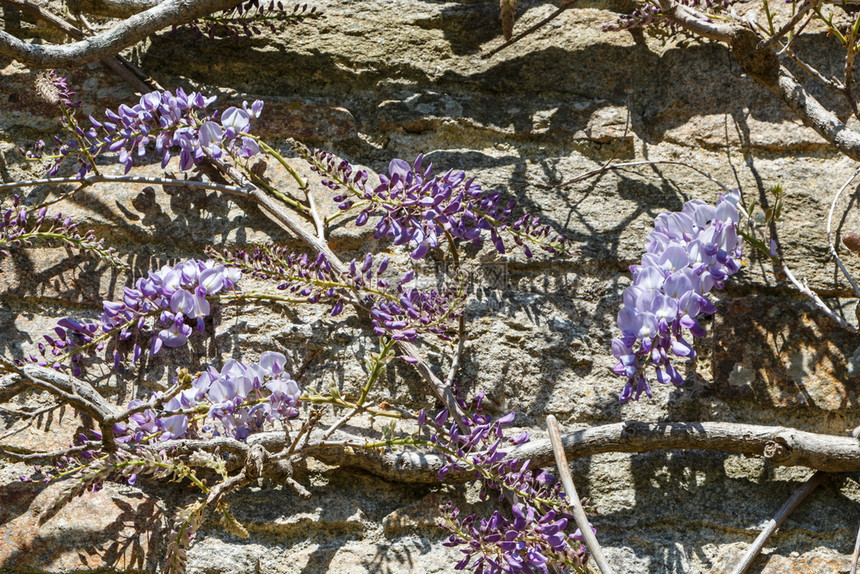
{"x": 119, "y": 527}
{"x": 374, "y": 80}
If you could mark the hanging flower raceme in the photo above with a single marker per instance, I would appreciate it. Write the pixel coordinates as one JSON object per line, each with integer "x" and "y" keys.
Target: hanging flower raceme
{"x": 399, "y": 311}
{"x": 55, "y": 90}
{"x": 421, "y": 210}
{"x": 535, "y": 539}
{"x": 175, "y": 120}
{"x": 169, "y": 304}
{"x": 21, "y": 227}
{"x": 170, "y": 121}
{"x": 687, "y": 254}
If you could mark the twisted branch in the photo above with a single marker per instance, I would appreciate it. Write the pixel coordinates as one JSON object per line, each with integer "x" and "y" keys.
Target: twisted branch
{"x": 780, "y": 445}
{"x": 759, "y": 60}
{"x": 111, "y": 42}
{"x": 116, "y": 64}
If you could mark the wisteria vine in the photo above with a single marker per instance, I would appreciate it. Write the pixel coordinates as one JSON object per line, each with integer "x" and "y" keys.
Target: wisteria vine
{"x": 688, "y": 254}
{"x": 166, "y": 436}
{"x": 410, "y": 205}
{"x": 401, "y": 311}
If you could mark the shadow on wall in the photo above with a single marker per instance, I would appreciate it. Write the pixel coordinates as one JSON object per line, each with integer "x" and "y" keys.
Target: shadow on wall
{"x": 800, "y": 359}
{"x": 103, "y": 530}
{"x": 683, "y": 500}
{"x": 507, "y": 91}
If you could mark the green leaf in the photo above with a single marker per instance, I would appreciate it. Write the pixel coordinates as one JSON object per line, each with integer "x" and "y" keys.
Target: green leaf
{"x": 756, "y": 243}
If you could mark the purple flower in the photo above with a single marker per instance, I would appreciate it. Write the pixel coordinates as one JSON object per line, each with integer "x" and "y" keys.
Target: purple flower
{"x": 167, "y": 121}
{"x": 687, "y": 254}
{"x": 536, "y": 537}
{"x": 419, "y": 209}
{"x": 159, "y": 304}
{"x": 19, "y": 227}
{"x": 55, "y": 90}
{"x": 237, "y": 401}
{"x": 173, "y": 426}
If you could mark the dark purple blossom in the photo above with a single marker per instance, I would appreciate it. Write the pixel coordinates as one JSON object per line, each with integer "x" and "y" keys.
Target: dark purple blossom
{"x": 421, "y": 210}
{"x": 535, "y": 538}
{"x": 170, "y": 122}
{"x": 20, "y": 227}
{"x": 530, "y": 543}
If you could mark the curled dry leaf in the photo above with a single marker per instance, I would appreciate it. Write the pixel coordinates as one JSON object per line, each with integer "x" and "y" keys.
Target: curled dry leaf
{"x": 852, "y": 242}
{"x": 508, "y": 9}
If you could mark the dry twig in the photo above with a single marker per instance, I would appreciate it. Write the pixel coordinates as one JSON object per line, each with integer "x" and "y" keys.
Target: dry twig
{"x": 775, "y": 522}
{"x": 780, "y": 445}
{"x": 578, "y": 512}
{"x": 762, "y": 64}
{"x": 510, "y": 41}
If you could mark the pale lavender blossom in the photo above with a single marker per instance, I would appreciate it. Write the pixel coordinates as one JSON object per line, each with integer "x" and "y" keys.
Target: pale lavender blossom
{"x": 161, "y": 304}
{"x": 170, "y": 122}
{"x": 687, "y": 254}
{"x": 238, "y": 400}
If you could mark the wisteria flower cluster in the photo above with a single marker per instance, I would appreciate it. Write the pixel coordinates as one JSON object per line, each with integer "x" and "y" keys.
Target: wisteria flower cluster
{"x": 249, "y": 18}
{"x": 236, "y": 401}
{"x": 399, "y": 311}
{"x": 419, "y": 209}
{"x": 410, "y": 205}
{"x": 416, "y": 311}
{"x": 171, "y": 120}
{"x": 20, "y": 227}
{"x": 687, "y": 254}
{"x": 527, "y": 544}
{"x": 168, "y": 120}
{"x": 62, "y": 150}
{"x": 535, "y": 539}
{"x": 162, "y": 303}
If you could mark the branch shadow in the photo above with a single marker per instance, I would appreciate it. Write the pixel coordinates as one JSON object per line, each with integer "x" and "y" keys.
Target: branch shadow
{"x": 130, "y": 543}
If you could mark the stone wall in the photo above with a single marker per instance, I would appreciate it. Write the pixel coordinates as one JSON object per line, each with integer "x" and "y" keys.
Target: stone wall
{"x": 375, "y": 80}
